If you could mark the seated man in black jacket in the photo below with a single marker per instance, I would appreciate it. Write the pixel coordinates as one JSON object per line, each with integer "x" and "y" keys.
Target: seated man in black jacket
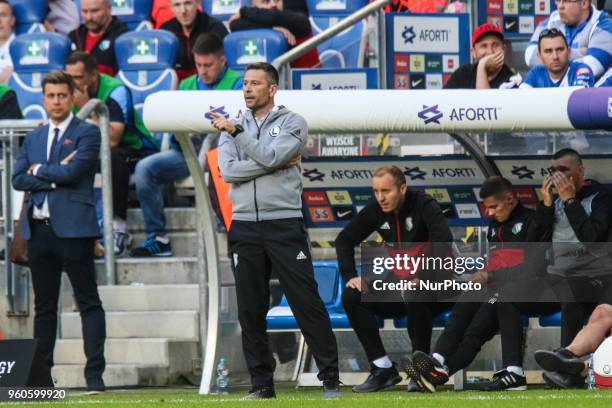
{"x": 188, "y": 24}
{"x": 294, "y": 25}
{"x": 398, "y": 215}
{"x": 574, "y": 220}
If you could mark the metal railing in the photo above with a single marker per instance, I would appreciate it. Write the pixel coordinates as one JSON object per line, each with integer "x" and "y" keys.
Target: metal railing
{"x": 325, "y": 35}
{"x": 11, "y": 132}
{"x": 99, "y": 108}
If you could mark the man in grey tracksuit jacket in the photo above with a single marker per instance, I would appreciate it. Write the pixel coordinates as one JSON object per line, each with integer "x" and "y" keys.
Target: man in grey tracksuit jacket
{"x": 259, "y": 156}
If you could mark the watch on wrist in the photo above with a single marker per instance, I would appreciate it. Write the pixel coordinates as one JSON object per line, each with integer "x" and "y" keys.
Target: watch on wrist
{"x": 238, "y": 129}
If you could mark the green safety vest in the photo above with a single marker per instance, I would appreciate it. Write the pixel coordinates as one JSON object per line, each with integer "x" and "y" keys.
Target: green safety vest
{"x": 225, "y": 84}
{"x": 130, "y": 138}
{"x": 4, "y": 89}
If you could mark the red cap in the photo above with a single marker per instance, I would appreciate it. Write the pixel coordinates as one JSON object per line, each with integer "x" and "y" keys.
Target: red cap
{"x": 486, "y": 28}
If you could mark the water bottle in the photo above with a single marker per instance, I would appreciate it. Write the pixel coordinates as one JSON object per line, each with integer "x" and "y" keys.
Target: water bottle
{"x": 591, "y": 375}
{"x": 222, "y": 376}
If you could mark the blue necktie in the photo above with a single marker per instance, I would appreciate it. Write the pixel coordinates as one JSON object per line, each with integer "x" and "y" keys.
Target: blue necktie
{"x": 39, "y": 197}
{"x": 53, "y": 143}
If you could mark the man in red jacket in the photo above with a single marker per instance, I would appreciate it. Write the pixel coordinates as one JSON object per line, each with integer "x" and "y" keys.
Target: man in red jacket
{"x": 294, "y": 25}
{"x": 97, "y": 34}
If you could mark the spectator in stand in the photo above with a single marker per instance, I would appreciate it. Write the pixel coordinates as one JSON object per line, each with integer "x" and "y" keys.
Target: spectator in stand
{"x": 7, "y": 34}
{"x": 417, "y": 6}
{"x": 188, "y": 24}
{"x": 605, "y": 80}
{"x": 98, "y": 33}
{"x": 63, "y": 16}
{"x": 9, "y": 107}
{"x": 588, "y": 31}
{"x": 169, "y": 166}
{"x": 294, "y": 25}
{"x": 488, "y": 69}
{"x": 161, "y": 12}
{"x": 301, "y": 6}
{"x": 128, "y": 144}
{"x": 557, "y": 69}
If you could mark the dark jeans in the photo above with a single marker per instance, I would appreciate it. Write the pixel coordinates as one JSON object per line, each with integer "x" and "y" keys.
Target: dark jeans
{"x": 123, "y": 162}
{"x": 256, "y": 249}
{"x": 48, "y": 253}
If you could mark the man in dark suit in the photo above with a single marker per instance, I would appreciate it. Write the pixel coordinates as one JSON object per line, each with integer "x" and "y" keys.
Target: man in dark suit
{"x": 56, "y": 168}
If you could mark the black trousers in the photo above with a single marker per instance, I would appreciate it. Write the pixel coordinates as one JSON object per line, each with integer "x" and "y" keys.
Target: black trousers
{"x": 123, "y": 163}
{"x": 48, "y": 254}
{"x": 363, "y": 318}
{"x": 575, "y": 314}
{"x": 470, "y": 326}
{"x": 511, "y": 327}
{"x": 256, "y": 249}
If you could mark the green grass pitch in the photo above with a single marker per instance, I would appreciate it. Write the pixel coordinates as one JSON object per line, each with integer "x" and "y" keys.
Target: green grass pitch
{"x": 312, "y": 397}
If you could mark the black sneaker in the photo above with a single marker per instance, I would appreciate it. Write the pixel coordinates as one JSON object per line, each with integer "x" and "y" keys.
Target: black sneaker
{"x": 434, "y": 374}
{"x": 561, "y": 380}
{"x": 415, "y": 379}
{"x": 151, "y": 247}
{"x": 331, "y": 386}
{"x": 379, "y": 379}
{"x": 95, "y": 386}
{"x": 260, "y": 393}
{"x": 121, "y": 241}
{"x": 561, "y": 360}
{"x": 504, "y": 380}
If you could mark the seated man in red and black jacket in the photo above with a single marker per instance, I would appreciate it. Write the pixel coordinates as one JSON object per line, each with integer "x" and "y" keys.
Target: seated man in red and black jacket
{"x": 398, "y": 215}
{"x": 294, "y": 25}
{"x": 473, "y": 323}
{"x": 97, "y": 34}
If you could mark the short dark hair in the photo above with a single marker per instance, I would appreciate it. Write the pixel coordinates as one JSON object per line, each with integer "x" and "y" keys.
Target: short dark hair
{"x": 58, "y": 78}
{"x": 568, "y": 152}
{"x": 398, "y": 175}
{"x": 495, "y": 186}
{"x": 551, "y": 33}
{"x": 271, "y": 72}
{"x": 88, "y": 60}
{"x": 7, "y": 2}
{"x": 208, "y": 43}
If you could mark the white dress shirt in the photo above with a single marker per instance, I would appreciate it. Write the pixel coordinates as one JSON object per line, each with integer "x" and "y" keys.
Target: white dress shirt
{"x": 42, "y": 213}
{"x": 5, "y": 56}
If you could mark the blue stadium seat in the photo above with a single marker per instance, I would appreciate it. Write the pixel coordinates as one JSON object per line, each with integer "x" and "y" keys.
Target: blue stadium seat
{"x": 146, "y": 60}
{"x": 439, "y": 321}
{"x": 29, "y": 15}
{"x": 34, "y": 55}
{"x": 223, "y": 9}
{"x": 334, "y": 7}
{"x": 245, "y": 47}
{"x": 328, "y": 280}
{"x": 553, "y": 320}
{"x": 134, "y": 13}
{"x": 346, "y": 49}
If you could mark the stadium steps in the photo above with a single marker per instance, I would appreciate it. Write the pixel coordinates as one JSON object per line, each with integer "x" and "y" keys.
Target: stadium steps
{"x": 180, "y": 324}
{"x": 152, "y": 336}
{"x": 115, "y": 375}
{"x": 152, "y": 314}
